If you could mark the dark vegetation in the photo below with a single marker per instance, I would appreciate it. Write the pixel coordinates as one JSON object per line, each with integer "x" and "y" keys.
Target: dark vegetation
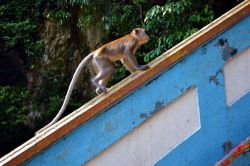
{"x": 42, "y": 42}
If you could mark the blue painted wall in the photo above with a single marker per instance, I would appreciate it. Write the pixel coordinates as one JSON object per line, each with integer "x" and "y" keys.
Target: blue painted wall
{"x": 203, "y": 69}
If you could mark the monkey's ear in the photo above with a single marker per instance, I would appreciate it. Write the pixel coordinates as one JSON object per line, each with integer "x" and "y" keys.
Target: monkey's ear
{"x": 136, "y": 31}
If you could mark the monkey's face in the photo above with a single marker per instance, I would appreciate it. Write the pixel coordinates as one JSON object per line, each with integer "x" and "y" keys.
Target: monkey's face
{"x": 141, "y": 35}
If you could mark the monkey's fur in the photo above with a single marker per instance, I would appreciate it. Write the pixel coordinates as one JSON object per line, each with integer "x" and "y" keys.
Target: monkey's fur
{"x": 103, "y": 60}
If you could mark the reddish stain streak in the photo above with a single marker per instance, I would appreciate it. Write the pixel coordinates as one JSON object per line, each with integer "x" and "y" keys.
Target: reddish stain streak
{"x": 233, "y": 154}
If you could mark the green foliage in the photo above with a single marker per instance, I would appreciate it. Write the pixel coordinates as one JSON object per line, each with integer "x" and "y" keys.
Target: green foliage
{"x": 12, "y": 105}
{"x": 54, "y": 103}
{"x": 119, "y": 73}
{"x": 14, "y": 109}
{"x": 61, "y": 16}
{"x": 113, "y": 18}
{"x": 79, "y": 2}
{"x": 173, "y": 22}
{"x": 118, "y": 20}
{"x": 53, "y": 92}
{"x": 19, "y": 25}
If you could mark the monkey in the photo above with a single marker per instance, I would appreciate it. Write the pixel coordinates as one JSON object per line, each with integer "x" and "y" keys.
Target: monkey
{"x": 103, "y": 58}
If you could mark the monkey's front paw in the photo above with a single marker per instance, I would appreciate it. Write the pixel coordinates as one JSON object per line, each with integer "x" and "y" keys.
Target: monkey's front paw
{"x": 144, "y": 67}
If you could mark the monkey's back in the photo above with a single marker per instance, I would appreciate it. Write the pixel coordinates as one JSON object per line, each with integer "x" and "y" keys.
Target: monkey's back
{"x": 116, "y": 49}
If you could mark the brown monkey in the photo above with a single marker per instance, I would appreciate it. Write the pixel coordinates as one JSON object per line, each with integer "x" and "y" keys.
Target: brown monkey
{"x": 103, "y": 59}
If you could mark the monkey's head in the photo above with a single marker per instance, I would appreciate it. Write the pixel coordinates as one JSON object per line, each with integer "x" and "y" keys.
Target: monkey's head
{"x": 140, "y": 35}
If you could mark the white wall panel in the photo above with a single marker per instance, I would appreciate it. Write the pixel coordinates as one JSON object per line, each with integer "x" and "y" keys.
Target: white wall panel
{"x": 155, "y": 138}
{"x": 237, "y": 76}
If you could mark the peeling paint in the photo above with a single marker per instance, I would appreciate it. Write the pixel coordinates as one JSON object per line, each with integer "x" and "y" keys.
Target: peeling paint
{"x": 190, "y": 87}
{"x": 227, "y": 51}
{"x": 158, "y": 105}
{"x": 203, "y": 50}
{"x": 144, "y": 116}
{"x": 227, "y": 147}
{"x": 214, "y": 78}
{"x": 59, "y": 158}
{"x": 109, "y": 126}
{"x": 183, "y": 90}
{"x": 182, "y": 60}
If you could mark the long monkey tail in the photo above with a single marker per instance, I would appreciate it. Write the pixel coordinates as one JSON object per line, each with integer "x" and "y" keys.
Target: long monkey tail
{"x": 70, "y": 89}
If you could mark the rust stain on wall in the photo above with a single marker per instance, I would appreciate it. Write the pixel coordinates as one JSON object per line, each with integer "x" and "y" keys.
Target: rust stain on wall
{"x": 158, "y": 106}
{"x": 214, "y": 78}
{"x": 227, "y": 51}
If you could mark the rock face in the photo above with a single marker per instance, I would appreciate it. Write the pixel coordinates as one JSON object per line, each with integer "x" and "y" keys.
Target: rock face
{"x": 64, "y": 48}
{"x": 56, "y": 44}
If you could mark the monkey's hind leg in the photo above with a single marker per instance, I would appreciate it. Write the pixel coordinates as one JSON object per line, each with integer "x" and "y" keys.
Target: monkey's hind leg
{"x": 104, "y": 69}
{"x": 103, "y": 82}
